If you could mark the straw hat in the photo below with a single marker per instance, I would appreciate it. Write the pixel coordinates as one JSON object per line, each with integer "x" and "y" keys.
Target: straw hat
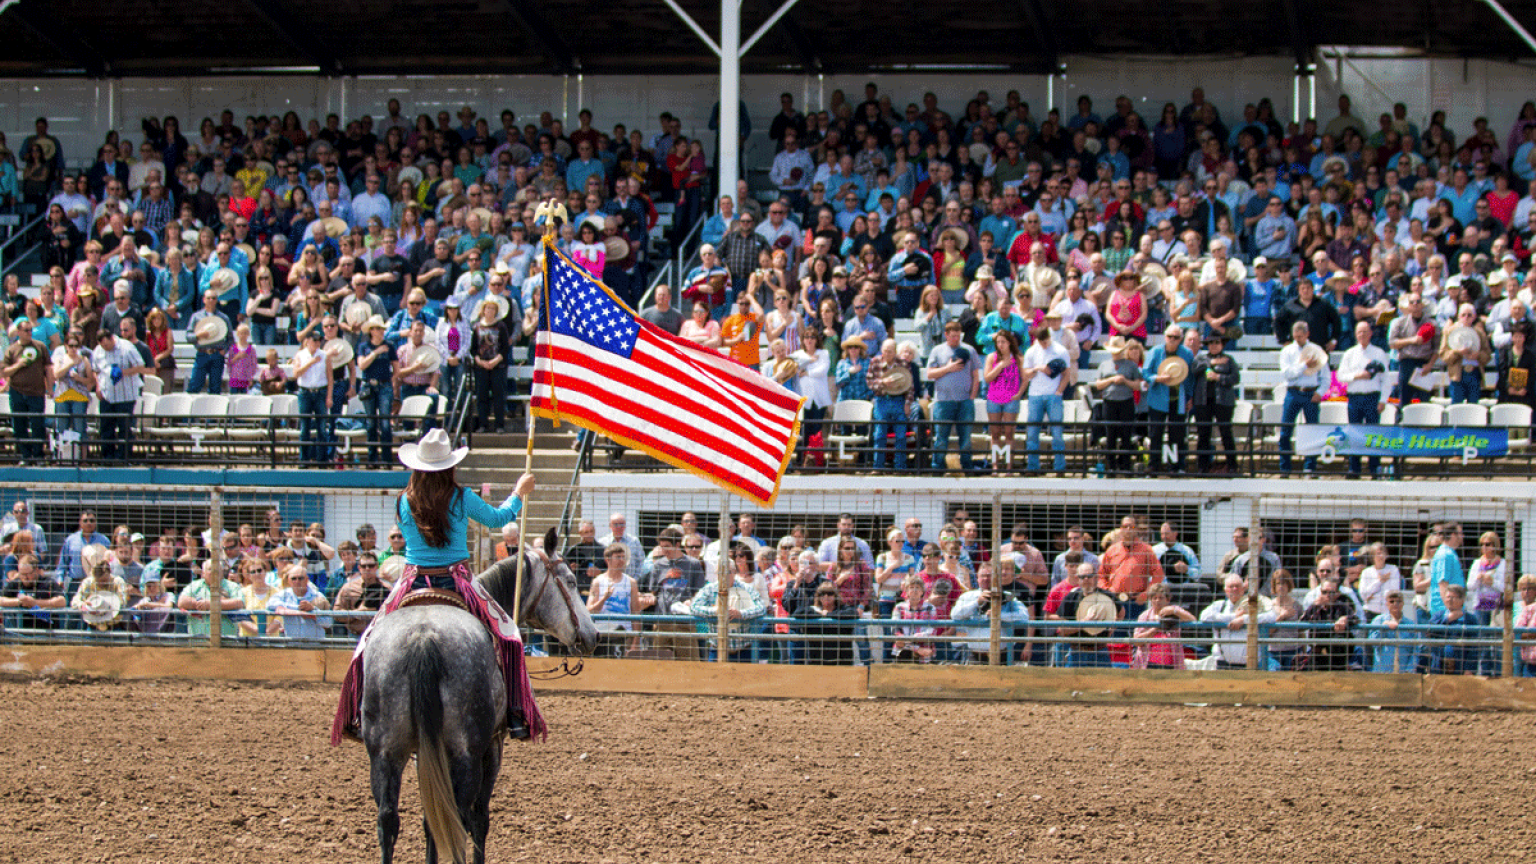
{"x": 962, "y": 239}
{"x": 1097, "y": 606}
{"x": 1176, "y": 370}
{"x": 335, "y": 226}
{"x": 434, "y": 453}
{"x": 426, "y": 360}
{"x": 374, "y": 323}
{"x": 502, "y": 304}
{"x": 855, "y": 342}
{"x": 1117, "y": 346}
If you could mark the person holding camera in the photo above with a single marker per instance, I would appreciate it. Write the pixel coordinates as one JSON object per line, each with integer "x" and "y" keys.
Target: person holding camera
{"x": 1163, "y": 619}
{"x": 977, "y": 647}
{"x": 310, "y": 550}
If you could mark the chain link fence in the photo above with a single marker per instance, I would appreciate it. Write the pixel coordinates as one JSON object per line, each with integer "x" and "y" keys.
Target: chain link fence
{"x": 1087, "y": 573}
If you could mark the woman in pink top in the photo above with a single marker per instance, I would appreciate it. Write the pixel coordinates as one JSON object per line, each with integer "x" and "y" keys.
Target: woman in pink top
{"x": 1165, "y": 618}
{"x": 1128, "y": 309}
{"x": 588, "y": 251}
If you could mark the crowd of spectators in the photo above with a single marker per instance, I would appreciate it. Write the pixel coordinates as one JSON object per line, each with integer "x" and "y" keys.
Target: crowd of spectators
{"x": 1056, "y": 234}
{"x": 1401, "y": 253}
{"x": 400, "y": 256}
{"x": 279, "y": 580}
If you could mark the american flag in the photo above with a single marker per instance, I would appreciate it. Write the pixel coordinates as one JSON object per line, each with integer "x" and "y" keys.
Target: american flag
{"x": 599, "y": 367}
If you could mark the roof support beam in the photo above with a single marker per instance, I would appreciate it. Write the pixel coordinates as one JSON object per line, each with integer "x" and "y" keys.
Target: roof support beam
{"x": 285, "y": 26}
{"x": 1301, "y": 40}
{"x": 803, "y": 45}
{"x": 1524, "y": 34}
{"x": 549, "y": 41}
{"x": 767, "y": 25}
{"x": 1040, "y": 26}
{"x": 697, "y": 30}
{"x": 64, "y": 40}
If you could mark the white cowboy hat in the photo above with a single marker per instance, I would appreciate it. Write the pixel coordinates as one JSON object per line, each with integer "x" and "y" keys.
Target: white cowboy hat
{"x": 394, "y": 566}
{"x": 223, "y": 280}
{"x": 428, "y": 358}
{"x": 434, "y": 453}
{"x": 357, "y": 314}
{"x": 340, "y": 351}
{"x": 411, "y": 173}
{"x": 210, "y": 330}
{"x": 374, "y": 322}
{"x": 100, "y": 608}
{"x": 503, "y": 306}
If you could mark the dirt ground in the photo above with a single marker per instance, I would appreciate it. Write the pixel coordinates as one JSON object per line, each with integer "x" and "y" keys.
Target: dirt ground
{"x": 209, "y": 772}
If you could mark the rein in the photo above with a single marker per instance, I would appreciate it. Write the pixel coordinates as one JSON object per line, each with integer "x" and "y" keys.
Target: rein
{"x": 564, "y": 670}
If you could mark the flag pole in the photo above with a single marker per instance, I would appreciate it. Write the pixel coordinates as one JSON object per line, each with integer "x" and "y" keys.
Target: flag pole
{"x": 550, "y": 211}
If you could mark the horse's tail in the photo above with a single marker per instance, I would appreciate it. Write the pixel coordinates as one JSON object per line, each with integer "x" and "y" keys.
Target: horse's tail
{"x": 426, "y": 671}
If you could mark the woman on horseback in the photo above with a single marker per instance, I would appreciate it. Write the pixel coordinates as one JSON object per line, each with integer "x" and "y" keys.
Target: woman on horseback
{"x": 434, "y": 514}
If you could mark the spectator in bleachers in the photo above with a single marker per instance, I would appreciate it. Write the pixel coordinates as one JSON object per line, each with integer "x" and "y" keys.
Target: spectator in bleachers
{"x": 1335, "y": 615}
{"x": 28, "y": 370}
{"x": 196, "y": 601}
{"x": 33, "y": 593}
{"x": 301, "y": 605}
{"x": 212, "y": 334}
{"x": 1306, "y": 373}
{"x": 1216, "y": 376}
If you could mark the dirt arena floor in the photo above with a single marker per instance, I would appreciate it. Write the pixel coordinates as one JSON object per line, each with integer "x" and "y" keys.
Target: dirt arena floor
{"x": 228, "y": 774}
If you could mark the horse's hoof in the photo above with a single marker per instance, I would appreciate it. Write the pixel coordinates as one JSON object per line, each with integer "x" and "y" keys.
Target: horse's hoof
{"x": 518, "y": 728}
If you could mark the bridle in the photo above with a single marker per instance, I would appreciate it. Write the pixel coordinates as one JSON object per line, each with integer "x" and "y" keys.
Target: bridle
{"x": 564, "y": 670}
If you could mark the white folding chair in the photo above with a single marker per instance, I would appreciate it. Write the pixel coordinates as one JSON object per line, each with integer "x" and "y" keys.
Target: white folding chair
{"x": 1423, "y": 414}
{"x": 850, "y": 411}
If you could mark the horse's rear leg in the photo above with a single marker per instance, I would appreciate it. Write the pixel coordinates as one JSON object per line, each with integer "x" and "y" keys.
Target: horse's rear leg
{"x": 385, "y": 779}
{"x": 480, "y": 824}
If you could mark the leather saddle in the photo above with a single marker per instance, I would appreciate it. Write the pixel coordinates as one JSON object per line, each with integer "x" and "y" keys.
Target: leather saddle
{"x": 433, "y": 597}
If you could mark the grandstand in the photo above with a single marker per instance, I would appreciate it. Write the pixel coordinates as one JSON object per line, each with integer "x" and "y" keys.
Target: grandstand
{"x": 1265, "y": 101}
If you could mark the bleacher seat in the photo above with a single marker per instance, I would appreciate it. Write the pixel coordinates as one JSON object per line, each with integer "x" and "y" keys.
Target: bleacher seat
{"x": 1466, "y": 414}
{"x": 1423, "y": 414}
{"x": 1516, "y": 419}
{"x": 850, "y": 411}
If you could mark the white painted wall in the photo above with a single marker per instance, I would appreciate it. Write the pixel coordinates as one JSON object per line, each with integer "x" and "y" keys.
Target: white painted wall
{"x": 81, "y": 111}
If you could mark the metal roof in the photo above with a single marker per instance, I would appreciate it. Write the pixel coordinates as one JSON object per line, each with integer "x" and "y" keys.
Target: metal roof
{"x": 194, "y": 37}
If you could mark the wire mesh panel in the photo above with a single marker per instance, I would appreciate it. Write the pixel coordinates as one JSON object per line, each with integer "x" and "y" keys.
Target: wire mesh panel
{"x": 107, "y": 563}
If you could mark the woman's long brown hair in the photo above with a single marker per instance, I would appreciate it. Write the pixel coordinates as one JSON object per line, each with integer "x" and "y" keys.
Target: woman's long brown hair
{"x": 430, "y": 494}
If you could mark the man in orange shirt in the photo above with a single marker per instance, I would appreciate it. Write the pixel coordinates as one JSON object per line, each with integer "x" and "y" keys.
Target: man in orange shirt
{"x": 1129, "y": 567}
{"x": 741, "y": 331}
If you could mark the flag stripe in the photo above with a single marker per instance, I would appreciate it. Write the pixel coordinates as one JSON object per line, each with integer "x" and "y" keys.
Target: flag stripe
{"x": 682, "y": 391}
{"x": 704, "y": 382}
{"x": 628, "y": 393}
{"x": 664, "y": 444}
{"x": 759, "y": 387}
{"x": 624, "y": 391}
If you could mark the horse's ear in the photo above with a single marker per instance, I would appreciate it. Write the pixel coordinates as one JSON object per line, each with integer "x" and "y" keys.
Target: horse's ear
{"x": 552, "y": 542}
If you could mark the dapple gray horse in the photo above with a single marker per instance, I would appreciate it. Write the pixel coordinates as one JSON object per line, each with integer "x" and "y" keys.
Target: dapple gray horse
{"x": 431, "y": 686}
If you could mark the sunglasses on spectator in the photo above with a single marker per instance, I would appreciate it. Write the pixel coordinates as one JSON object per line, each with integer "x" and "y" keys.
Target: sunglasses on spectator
{"x": 693, "y": 546}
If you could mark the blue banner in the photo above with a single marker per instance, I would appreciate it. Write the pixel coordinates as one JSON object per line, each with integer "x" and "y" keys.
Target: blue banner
{"x": 1455, "y": 442}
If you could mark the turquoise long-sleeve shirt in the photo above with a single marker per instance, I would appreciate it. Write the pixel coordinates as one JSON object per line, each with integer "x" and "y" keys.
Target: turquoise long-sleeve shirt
{"x": 466, "y": 505}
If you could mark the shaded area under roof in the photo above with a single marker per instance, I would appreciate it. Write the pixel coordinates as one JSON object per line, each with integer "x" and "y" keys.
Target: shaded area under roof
{"x": 354, "y": 37}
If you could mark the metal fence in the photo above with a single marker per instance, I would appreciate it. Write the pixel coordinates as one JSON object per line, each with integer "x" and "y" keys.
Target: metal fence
{"x": 1189, "y": 535}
